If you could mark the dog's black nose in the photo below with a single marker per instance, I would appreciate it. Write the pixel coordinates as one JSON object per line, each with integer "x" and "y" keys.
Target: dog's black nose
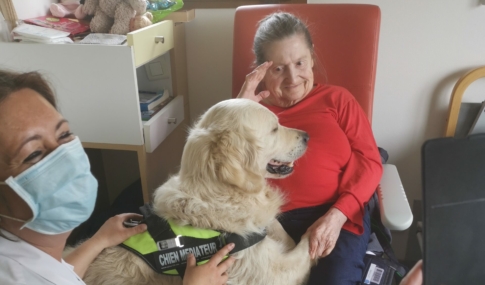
{"x": 306, "y": 137}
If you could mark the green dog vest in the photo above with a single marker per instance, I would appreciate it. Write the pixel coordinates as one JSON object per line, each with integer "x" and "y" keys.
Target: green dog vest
{"x": 165, "y": 245}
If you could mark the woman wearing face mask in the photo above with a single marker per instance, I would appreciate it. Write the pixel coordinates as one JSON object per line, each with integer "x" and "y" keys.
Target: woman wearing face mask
{"x": 47, "y": 189}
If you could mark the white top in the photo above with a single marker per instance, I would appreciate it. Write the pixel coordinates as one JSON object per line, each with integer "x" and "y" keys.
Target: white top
{"x": 22, "y": 263}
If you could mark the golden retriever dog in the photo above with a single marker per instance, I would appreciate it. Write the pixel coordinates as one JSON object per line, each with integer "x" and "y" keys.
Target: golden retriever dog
{"x": 221, "y": 185}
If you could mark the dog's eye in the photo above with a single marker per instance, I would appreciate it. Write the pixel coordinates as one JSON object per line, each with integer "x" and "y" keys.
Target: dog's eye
{"x": 275, "y": 130}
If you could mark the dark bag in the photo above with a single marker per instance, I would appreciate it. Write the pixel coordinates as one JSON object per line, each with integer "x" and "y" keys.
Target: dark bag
{"x": 381, "y": 264}
{"x": 378, "y": 270}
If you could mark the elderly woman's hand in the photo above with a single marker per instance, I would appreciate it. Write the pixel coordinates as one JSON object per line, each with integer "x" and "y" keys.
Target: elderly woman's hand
{"x": 325, "y": 232}
{"x": 248, "y": 90}
{"x": 113, "y": 232}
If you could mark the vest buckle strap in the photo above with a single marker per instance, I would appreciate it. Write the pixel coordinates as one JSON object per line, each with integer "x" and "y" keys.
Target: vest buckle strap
{"x": 170, "y": 243}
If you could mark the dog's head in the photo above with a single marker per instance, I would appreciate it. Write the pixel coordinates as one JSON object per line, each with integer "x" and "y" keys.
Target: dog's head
{"x": 239, "y": 142}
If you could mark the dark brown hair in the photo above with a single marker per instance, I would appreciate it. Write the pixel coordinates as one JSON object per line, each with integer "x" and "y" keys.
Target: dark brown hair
{"x": 11, "y": 82}
{"x": 275, "y": 27}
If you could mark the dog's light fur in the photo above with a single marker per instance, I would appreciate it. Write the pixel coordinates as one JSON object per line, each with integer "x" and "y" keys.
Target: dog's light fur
{"x": 221, "y": 185}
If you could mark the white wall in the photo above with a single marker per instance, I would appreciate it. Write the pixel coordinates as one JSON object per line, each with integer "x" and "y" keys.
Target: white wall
{"x": 29, "y": 9}
{"x": 26, "y": 9}
{"x": 209, "y": 58}
{"x": 425, "y": 46}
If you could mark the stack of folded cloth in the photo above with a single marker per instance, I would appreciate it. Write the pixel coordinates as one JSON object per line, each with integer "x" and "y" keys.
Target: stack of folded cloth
{"x": 32, "y": 33}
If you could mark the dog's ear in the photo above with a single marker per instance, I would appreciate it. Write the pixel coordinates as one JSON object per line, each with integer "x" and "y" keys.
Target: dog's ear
{"x": 234, "y": 158}
{"x": 226, "y": 156}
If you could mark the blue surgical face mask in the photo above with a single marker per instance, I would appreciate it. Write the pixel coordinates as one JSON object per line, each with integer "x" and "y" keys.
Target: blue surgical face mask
{"x": 60, "y": 190}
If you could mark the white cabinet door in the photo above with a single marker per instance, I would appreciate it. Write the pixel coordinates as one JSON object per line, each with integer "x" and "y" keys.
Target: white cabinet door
{"x": 96, "y": 86}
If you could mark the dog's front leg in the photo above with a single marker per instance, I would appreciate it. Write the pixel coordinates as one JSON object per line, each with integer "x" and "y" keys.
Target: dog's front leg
{"x": 270, "y": 263}
{"x": 278, "y": 233}
{"x": 297, "y": 263}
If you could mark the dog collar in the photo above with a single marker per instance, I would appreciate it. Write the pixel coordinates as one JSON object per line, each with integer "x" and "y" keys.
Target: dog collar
{"x": 165, "y": 245}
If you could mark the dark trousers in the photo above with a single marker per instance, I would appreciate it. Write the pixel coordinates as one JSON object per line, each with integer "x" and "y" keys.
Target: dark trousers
{"x": 345, "y": 264}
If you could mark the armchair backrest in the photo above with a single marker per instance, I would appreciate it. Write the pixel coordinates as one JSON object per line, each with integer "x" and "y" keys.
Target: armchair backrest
{"x": 345, "y": 38}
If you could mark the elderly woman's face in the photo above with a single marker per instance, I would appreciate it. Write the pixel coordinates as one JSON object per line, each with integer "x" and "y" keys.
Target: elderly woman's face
{"x": 30, "y": 128}
{"x": 290, "y": 78}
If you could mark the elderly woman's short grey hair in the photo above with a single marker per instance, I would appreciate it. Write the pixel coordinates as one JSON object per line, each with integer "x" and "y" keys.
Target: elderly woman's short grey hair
{"x": 276, "y": 27}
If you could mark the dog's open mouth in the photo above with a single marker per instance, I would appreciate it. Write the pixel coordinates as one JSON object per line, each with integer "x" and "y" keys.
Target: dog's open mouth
{"x": 278, "y": 167}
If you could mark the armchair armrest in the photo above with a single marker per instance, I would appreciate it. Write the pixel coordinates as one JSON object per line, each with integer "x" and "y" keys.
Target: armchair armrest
{"x": 393, "y": 203}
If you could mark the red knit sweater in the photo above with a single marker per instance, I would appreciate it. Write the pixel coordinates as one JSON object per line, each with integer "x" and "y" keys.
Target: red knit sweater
{"x": 342, "y": 163}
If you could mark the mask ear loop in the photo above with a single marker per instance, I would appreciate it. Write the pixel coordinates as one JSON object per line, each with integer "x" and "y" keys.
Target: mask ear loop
{"x": 12, "y": 218}
{"x": 8, "y": 217}
{"x": 2, "y": 183}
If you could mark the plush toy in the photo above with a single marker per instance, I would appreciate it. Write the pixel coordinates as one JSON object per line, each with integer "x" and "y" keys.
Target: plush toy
{"x": 141, "y": 21}
{"x": 67, "y": 8}
{"x": 113, "y": 16}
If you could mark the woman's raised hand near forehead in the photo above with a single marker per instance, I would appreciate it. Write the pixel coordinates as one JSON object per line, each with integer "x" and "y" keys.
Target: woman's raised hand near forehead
{"x": 248, "y": 90}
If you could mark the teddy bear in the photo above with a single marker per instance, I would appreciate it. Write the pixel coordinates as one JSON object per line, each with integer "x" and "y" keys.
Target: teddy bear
{"x": 113, "y": 16}
{"x": 141, "y": 21}
{"x": 67, "y": 8}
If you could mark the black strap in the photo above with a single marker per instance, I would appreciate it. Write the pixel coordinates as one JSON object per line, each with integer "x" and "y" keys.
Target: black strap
{"x": 382, "y": 233}
{"x": 181, "y": 271}
{"x": 384, "y": 237}
{"x": 158, "y": 228}
{"x": 241, "y": 242}
{"x": 203, "y": 249}
{"x": 384, "y": 155}
{"x": 175, "y": 257}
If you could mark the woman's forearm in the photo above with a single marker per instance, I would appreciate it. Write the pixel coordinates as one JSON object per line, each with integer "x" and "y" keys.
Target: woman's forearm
{"x": 83, "y": 256}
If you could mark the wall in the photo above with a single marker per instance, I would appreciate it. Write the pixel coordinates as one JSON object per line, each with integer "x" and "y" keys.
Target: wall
{"x": 27, "y": 9}
{"x": 30, "y": 9}
{"x": 209, "y": 58}
{"x": 425, "y": 46}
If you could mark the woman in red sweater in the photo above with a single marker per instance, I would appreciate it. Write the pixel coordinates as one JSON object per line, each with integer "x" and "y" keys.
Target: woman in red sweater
{"x": 328, "y": 191}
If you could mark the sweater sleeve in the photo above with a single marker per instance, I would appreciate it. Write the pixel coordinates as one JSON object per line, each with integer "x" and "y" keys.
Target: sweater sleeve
{"x": 363, "y": 171}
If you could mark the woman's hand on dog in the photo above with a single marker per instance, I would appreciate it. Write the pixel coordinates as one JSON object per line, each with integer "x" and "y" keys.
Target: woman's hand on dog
{"x": 248, "y": 90}
{"x": 113, "y": 232}
{"x": 325, "y": 232}
{"x": 211, "y": 273}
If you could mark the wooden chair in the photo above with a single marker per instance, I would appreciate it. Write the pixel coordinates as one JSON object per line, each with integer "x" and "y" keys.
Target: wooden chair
{"x": 457, "y": 96}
